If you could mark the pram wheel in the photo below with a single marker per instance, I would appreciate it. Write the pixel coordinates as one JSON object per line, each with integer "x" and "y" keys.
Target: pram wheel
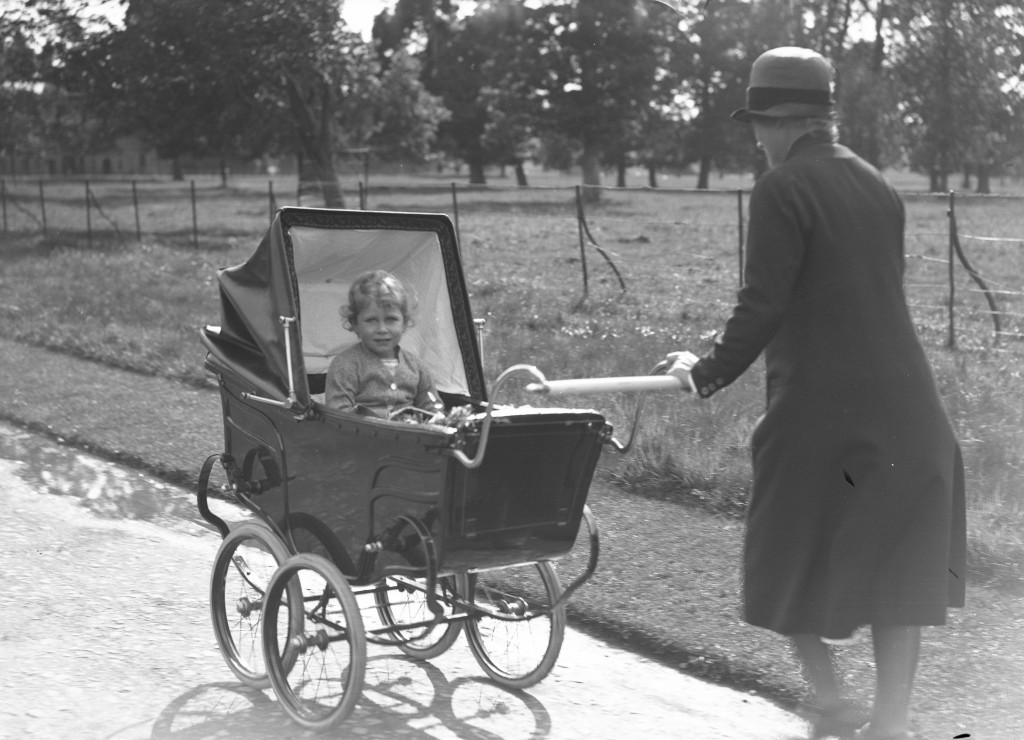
{"x": 517, "y": 635}
{"x": 244, "y": 565}
{"x": 309, "y": 534}
{"x": 316, "y": 670}
{"x": 402, "y": 600}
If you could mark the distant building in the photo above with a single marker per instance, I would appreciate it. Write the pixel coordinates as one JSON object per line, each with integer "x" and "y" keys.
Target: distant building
{"x": 129, "y": 157}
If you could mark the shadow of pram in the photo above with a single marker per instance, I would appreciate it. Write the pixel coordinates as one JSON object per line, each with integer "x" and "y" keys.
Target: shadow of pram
{"x": 401, "y": 698}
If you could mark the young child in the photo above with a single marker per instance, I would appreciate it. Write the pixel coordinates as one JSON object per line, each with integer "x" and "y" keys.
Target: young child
{"x": 376, "y": 376}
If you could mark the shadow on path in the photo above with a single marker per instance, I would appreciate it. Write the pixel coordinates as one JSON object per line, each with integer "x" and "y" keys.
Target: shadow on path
{"x": 401, "y": 698}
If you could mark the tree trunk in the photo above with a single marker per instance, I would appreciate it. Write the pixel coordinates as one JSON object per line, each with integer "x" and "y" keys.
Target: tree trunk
{"x": 620, "y": 180}
{"x": 872, "y": 145}
{"x": 944, "y": 136}
{"x": 476, "y": 169}
{"x": 316, "y": 134}
{"x": 326, "y": 178}
{"x": 652, "y": 175}
{"x": 223, "y": 172}
{"x": 704, "y": 173}
{"x": 177, "y": 172}
{"x": 591, "y": 166}
{"x": 938, "y": 179}
{"x": 521, "y": 174}
{"x": 984, "y": 179}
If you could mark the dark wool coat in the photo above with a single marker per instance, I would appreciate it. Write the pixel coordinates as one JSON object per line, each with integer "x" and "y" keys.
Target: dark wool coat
{"x": 857, "y": 508}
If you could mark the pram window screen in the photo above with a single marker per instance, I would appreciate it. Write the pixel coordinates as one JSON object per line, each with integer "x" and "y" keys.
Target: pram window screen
{"x": 326, "y": 261}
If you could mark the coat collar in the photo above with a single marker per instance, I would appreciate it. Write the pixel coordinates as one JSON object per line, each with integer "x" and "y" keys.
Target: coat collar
{"x": 812, "y": 139}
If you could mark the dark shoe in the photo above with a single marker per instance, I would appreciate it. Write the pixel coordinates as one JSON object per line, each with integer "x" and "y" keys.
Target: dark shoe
{"x": 866, "y": 733}
{"x": 840, "y": 721}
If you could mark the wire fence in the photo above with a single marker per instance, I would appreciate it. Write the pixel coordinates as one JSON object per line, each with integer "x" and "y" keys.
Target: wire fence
{"x": 962, "y": 285}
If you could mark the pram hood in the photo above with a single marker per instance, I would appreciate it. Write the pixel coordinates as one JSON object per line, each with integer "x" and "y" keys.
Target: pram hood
{"x": 303, "y": 268}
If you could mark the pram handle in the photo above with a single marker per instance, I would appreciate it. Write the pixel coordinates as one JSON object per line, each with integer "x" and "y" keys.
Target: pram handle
{"x": 625, "y": 383}
{"x": 656, "y": 380}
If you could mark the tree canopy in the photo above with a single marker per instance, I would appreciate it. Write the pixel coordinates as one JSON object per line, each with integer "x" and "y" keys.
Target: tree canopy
{"x": 937, "y": 85}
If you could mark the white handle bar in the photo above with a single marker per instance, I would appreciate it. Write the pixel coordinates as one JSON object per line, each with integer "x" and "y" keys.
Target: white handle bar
{"x": 628, "y": 384}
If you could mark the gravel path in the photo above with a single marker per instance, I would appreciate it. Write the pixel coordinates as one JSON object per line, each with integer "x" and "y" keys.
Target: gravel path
{"x": 667, "y": 584}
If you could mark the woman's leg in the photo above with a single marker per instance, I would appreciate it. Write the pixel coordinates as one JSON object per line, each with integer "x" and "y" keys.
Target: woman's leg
{"x": 819, "y": 668}
{"x": 896, "y": 653}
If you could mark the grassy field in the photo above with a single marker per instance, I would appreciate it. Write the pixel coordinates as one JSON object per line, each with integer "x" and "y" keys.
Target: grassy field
{"x": 107, "y": 296}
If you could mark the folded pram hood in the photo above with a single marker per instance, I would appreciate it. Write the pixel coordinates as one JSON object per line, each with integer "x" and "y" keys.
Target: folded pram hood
{"x": 253, "y": 297}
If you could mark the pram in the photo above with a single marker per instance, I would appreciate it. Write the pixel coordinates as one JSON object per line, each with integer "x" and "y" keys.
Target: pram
{"x": 366, "y": 530}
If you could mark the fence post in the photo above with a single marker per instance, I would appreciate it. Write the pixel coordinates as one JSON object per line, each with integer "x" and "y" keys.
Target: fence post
{"x": 3, "y": 198}
{"x": 739, "y": 212}
{"x": 195, "y": 220}
{"x": 583, "y": 252}
{"x": 455, "y": 211}
{"x": 42, "y": 205}
{"x": 135, "y": 205}
{"x": 362, "y": 196}
{"x": 88, "y": 216}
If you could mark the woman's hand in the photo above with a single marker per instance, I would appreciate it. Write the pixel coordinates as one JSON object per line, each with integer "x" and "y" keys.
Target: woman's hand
{"x": 680, "y": 364}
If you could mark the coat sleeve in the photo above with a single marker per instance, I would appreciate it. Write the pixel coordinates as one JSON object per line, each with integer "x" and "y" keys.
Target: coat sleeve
{"x": 775, "y": 251}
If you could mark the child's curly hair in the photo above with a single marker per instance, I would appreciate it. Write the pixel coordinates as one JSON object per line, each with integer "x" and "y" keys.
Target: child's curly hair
{"x": 382, "y": 288}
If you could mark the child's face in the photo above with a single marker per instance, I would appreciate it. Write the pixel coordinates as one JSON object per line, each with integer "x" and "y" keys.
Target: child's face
{"x": 380, "y": 329}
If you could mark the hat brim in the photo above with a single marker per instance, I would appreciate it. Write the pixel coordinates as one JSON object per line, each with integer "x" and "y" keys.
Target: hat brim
{"x": 782, "y": 110}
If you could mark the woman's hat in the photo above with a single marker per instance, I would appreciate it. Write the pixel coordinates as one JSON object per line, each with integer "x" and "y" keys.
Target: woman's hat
{"x": 788, "y": 82}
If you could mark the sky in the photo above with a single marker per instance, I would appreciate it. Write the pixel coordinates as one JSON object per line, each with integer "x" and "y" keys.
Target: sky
{"x": 359, "y": 14}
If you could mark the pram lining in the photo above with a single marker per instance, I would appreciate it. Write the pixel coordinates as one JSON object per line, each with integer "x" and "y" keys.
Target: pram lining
{"x": 326, "y": 261}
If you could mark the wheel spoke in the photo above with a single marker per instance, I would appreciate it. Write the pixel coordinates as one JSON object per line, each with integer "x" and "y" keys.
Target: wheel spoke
{"x": 404, "y": 601}
{"x": 515, "y": 634}
{"x": 323, "y": 684}
{"x": 244, "y": 565}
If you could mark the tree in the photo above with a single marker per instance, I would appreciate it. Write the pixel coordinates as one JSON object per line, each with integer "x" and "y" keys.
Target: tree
{"x": 869, "y": 107}
{"x": 513, "y": 93}
{"x": 868, "y": 97}
{"x": 958, "y": 64}
{"x": 403, "y": 117}
{"x": 455, "y": 68}
{"x": 20, "y": 111}
{"x": 241, "y": 78}
{"x": 599, "y": 58}
{"x": 454, "y": 54}
{"x": 38, "y": 110}
{"x": 723, "y": 46}
{"x": 173, "y": 81}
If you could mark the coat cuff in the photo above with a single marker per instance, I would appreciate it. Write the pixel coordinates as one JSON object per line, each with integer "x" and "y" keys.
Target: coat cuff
{"x": 704, "y": 381}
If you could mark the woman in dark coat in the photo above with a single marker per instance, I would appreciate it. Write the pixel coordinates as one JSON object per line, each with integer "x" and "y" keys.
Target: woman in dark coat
{"x": 857, "y": 508}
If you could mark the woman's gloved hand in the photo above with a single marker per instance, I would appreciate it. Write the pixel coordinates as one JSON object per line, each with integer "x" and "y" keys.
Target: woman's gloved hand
{"x": 679, "y": 366}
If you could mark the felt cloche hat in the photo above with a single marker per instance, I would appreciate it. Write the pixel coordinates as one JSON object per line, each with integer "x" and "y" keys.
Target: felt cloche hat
{"x": 788, "y": 82}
